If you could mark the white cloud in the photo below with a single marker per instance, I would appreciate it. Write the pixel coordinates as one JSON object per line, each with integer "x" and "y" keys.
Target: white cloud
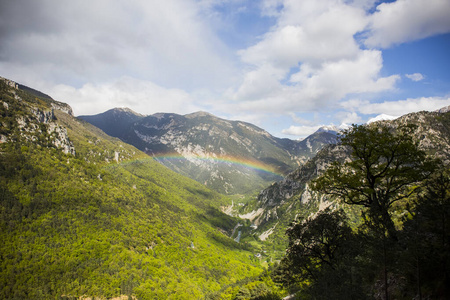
{"x": 321, "y": 31}
{"x": 301, "y": 131}
{"x": 398, "y": 108}
{"x": 299, "y": 120}
{"x": 415, "y": 76}
{"x": 262, "y": 82}
{"x": 142, "y": 96}
{"x": 310, "y": 59}
{"x": 361, "y": 74}
{"x": 407, "y": 20}
{"x": 347, "y": 117}
{"x": 166, "y": 42}
{"x": 312, "y": 88}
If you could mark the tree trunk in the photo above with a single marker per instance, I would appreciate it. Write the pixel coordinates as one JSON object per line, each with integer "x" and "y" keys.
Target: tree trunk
{"x": 386, "y": 293}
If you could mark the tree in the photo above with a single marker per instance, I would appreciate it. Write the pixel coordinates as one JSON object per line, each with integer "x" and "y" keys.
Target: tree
{"x": 386, "y": 166}
{"x": 426, "y": 238}
{"x": 320, "y": 253}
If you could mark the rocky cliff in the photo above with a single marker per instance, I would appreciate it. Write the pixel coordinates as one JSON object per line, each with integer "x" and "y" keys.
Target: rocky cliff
{"x": 36, "y": 120}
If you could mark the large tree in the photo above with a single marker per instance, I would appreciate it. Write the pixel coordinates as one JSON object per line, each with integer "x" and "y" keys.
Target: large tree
{"x": 386, "y": 166}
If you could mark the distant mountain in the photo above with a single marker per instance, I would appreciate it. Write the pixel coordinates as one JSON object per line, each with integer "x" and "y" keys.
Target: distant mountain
{"x": 279, "y": 204}
{"x": 382, "y": 117}
{"x": 228, "y": 156}
{"x": 114, "y": 122}
{"x": 335, "y": 130}
{"x": 85, "y": 215}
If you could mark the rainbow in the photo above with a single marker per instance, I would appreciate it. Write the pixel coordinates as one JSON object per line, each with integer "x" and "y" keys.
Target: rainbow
{"x": 224, "y": 159}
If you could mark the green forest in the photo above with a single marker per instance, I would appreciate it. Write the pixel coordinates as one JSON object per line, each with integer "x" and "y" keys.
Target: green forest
{"x": 87, "y": 225}
{"x": 104, "y": 220}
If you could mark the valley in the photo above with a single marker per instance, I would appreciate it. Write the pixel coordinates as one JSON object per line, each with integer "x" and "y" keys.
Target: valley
{"x": 230, "y": 157}
{"x": 171, "y": 206}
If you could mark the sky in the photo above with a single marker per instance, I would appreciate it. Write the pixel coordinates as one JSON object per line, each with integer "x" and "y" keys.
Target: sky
{"x": 288, "y": 66}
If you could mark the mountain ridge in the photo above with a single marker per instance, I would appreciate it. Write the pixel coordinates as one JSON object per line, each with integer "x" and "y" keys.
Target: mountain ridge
{"x": 281, "y": 202}
{"x": 203, "y": 135}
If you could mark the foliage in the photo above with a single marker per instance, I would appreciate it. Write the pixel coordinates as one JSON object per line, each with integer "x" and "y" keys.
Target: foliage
{"x": 104, "y": 222}
{"x": 377, "y": 260}
{"x": 386, "y": 167}
{"x": 320, "y": 257}
{"x": 426, "y": 235}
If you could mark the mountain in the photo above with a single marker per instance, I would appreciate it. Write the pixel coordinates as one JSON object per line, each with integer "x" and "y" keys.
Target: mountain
{"x": 333, "y": 129}
{"x": 114, "y": 122}
{"x": 280, "y": 203}
{"x": 443, "y": 109}
{"x": 231, "y": 157}
{"x": 83, "y": 214}
{"x": 382, "y": 117}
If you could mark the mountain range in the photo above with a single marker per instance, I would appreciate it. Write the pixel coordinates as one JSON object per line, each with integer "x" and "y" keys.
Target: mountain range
{"x": 231, "y": 157}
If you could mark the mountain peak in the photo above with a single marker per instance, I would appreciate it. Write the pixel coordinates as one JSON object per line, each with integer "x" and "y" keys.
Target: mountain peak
{"x": 382, "y": 117}
{"x": 199, "y": 114}
{"x": 126, "y": 110}
{"x": 332, "y": 128}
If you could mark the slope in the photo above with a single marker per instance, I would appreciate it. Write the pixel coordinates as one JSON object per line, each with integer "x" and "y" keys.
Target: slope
{"x": 278, "y": 205}
{"x": 231, "y": 157}
{"x": 83, "y": 214}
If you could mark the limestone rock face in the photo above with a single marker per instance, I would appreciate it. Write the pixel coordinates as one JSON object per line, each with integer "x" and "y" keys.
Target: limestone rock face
{"x": 34, "y": 120}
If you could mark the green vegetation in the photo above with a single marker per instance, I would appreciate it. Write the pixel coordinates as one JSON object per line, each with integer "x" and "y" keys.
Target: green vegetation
{"x": 107, "y": 220}
{"x": 386, "y": 167}
{"x": 83, "y": 214}
{"x": 400, "y": 250}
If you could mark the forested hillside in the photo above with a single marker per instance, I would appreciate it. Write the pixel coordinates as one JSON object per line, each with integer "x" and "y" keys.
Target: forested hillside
{"x": 83, "y": 214}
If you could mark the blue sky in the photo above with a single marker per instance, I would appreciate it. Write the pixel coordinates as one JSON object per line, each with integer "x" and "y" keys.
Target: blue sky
{"x": 288, "y": 66}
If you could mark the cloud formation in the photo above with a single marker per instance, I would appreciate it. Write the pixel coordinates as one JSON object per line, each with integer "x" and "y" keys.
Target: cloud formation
{"x": 311, "y": 59}
{"x": 415, "y": 76}
{"x": 301, "y": 130}
{"x": 240, "y": 59}
{"x": 162, "y": 41}
{"x": 141, "y": 96}
{"x": 399, "y": 107}
{"x": 407, "y": 20}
